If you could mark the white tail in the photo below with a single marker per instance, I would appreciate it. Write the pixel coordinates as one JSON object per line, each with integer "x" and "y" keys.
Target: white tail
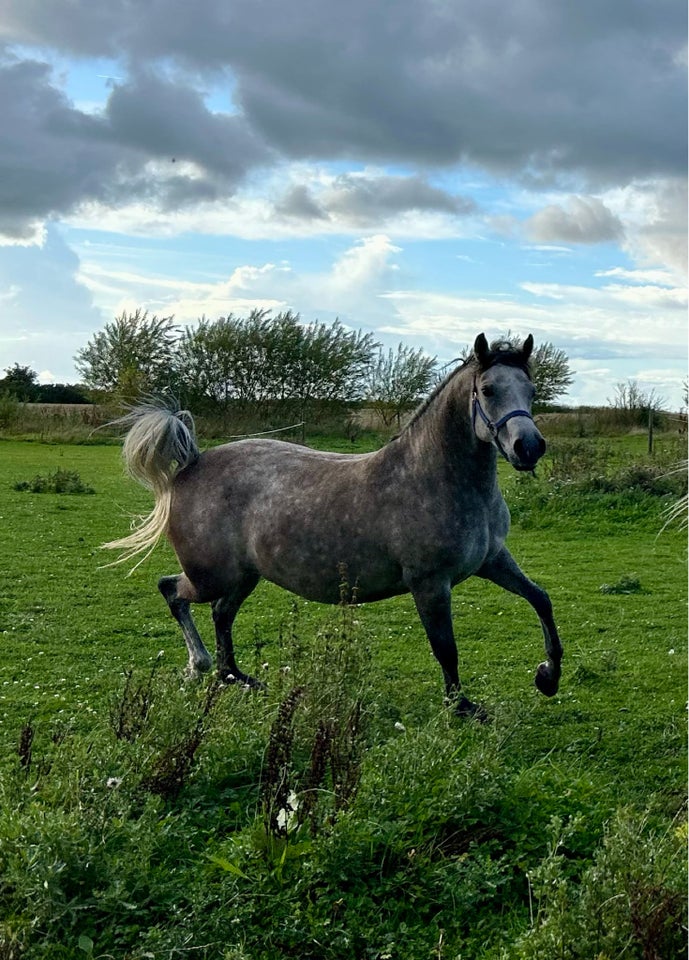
{"x": 158, "y": 444}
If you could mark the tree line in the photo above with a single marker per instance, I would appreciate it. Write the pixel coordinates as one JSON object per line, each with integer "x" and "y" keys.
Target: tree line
{"x": 260, "y": 362}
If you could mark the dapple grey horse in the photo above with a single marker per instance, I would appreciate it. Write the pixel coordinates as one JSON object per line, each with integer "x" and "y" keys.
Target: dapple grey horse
{"x": 418, "y": 516}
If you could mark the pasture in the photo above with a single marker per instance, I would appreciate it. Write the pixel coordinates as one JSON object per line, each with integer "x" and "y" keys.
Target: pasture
{"x": 343, "y": 813}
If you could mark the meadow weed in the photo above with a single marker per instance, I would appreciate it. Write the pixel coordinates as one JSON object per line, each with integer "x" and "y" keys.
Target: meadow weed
{"x": 60, "y": 481}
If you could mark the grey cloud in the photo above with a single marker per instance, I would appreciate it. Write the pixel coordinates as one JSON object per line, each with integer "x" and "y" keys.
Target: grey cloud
{"x": 365, "y": 200}
{"x": 540, "y": 90}
{"x": 368, "y": 199}
{"x": 163, "y": 118}
{"x": 47, "y": 160}
{"x": 54, "y": 157}
{"x": 586, "y": 87}
{"x": 300, "y": 204}
{"x": 585, "y": 220}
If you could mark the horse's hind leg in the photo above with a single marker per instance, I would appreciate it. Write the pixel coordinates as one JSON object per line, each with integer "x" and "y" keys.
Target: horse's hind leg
{"x": 224, "y": 613}
{"x": 504, "y": 571}
{"x": 180, "y": 594}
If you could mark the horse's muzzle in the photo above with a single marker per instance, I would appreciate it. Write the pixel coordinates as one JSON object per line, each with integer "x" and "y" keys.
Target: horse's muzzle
{"x": 528, "y": 451}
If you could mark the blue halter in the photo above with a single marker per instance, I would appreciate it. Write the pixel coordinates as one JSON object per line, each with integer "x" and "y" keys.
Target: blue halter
{"x": 493, "y": 427}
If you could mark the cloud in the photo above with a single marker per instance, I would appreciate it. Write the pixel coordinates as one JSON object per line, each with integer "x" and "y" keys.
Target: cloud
{"x": 539, "y": 89}
{"x": 153, "y": 141}
{"x": 50, "y": 319}
{"x": 584, "y": 220}
{"x": 369, "y": 199}
{"x": 300, "y": 204}
{"x": 655, "y": 215}
{"x": 364, "y": 264}
{"x": 366, "y": 199}
{"x": 163, "y": 119}
{"x": 350, "y": 287}
{"x": 48, "y": 164}
{"x": 615, "y": 321}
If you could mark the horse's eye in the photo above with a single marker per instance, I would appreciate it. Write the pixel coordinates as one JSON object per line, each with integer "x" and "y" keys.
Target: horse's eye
{"x": 488, "y": 391}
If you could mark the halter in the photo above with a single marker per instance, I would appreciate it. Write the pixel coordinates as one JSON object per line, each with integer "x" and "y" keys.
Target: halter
{"x": 493, "y": 427}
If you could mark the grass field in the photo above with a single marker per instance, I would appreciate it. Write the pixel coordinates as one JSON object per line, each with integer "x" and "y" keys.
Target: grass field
{"x": 143, "y": 817}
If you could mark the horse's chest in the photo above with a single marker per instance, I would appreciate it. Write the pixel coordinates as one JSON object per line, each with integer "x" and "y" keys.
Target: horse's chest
{"x": 461, "y": 539}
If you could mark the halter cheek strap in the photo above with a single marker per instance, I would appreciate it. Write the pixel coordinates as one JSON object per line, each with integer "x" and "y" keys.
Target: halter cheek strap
{"x": 494, "y": 427}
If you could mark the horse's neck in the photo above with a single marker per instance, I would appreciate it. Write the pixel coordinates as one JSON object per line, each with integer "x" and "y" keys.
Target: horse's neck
{"x": 443, "y": 436}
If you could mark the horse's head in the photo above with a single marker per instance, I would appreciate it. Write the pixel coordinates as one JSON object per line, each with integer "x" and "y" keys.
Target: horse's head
{"x": 502, "y": 395}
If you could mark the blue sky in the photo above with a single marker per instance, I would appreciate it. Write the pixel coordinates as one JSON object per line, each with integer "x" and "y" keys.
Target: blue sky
{"x": 425, "y": 171}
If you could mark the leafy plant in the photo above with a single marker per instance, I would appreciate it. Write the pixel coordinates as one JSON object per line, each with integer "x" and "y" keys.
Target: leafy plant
{"x": 626, "y": 584}
{"x": 60, "y": 481}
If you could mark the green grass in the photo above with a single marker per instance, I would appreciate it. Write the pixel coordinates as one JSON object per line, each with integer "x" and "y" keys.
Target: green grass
{"x": 512, "y": 840}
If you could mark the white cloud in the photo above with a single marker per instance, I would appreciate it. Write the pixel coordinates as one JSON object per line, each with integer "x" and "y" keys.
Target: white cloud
{"x": 659, "y": 276}
{"x": 655, "y": 218}
{"x": 350, "y": 287}
{"x": 364, "y": 264}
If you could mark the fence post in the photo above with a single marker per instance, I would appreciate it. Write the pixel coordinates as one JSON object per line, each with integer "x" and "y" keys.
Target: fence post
{"x": 650, "y": 431}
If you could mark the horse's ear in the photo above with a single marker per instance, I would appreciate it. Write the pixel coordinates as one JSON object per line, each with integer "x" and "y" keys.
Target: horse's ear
{"x": 527, "y": 348}
{"x": 481, "y": 349}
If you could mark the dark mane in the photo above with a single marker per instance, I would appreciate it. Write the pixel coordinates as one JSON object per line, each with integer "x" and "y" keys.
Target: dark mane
{"x": 503, "y": 351}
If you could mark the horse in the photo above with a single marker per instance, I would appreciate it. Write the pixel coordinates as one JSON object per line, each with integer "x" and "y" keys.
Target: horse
{"x": 420, "y": 515}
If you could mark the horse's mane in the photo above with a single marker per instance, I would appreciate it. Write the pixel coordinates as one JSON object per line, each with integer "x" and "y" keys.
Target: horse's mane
{"x": 501, "y": 351}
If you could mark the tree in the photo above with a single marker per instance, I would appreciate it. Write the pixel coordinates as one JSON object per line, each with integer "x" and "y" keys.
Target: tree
{"x": 132, "y": 355}
{"x": 398, "y": 379}
{"x": 550, "y": 372}
{"x": 20, "y": 383}
{"x": 636, "y": 404}
{"x": 330, "y": 363}
{"x": 61, "y": 393}
{"x": 262, "y": 360}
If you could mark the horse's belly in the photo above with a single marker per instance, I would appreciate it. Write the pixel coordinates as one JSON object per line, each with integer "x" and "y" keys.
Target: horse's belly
{"x": 326, "y": 569}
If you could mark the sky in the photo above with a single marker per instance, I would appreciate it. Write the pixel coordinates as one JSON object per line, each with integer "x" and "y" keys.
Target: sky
{"x": 425, "y": 170}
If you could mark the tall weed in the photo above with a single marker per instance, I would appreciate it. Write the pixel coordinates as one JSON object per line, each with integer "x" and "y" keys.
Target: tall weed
{"x": 630, "y": 901}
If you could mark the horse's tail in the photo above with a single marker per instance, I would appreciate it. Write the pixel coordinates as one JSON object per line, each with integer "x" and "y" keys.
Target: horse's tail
{"x": 159, "y": 443}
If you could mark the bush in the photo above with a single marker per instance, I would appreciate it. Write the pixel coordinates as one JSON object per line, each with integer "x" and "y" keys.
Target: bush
{"x": 61, "y": 481}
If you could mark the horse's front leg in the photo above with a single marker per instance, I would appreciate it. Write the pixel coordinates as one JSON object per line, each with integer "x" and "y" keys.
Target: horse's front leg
{"x": 503, "y": 571}
{"x": 433, "y": 602}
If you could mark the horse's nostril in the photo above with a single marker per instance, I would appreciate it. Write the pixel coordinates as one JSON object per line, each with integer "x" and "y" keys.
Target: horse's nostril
{"x": 529, "y": 452}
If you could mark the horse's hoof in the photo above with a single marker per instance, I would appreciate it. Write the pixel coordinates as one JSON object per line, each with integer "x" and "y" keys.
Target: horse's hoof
{"x": 242, "y": 679}
{"x": 547, "y": 679}
{"x": 193, "y": 675}
{"x": 468, "y": 710}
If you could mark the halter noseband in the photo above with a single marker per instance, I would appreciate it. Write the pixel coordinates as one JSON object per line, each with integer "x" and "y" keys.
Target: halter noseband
{"x": 493, "y": 427}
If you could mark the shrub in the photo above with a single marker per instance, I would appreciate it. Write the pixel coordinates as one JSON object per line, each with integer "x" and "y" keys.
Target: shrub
{"x": 631, "y": 901}
{"x": 626, "y": 584}
{"x": 61, "y": 481}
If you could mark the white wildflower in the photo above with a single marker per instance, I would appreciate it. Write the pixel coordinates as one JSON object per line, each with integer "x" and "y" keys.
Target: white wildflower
{"x": 287, "y": 817}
